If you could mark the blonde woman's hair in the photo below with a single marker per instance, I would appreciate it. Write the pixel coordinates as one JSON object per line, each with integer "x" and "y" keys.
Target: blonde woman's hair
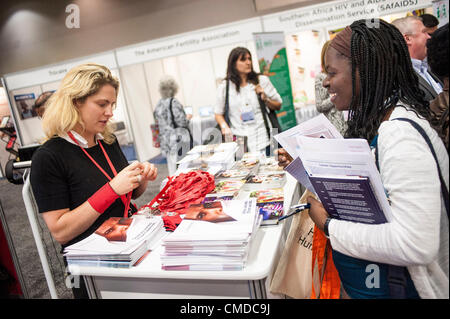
{"x": 61, "y": 114}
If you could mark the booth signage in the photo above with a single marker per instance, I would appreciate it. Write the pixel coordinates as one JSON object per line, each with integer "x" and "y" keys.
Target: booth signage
{"x": 194, "y": 41}
{"x": 338, "y": 13}
{"x": 54, "y": 73}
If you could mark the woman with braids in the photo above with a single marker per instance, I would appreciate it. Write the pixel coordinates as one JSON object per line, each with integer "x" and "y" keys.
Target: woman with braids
{"x": 369, "y": 72}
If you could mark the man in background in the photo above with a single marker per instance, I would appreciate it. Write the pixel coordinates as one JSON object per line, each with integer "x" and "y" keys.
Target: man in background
{"x": 416, "y": 36}
{"x": 438, "y": 57}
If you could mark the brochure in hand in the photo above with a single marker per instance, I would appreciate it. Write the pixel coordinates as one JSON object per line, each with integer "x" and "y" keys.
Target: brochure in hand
{"x": 341, "y": 172}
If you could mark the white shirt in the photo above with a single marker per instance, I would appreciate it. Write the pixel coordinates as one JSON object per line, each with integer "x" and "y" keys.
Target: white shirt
{"x": 417, "y": 236}
{"x": 256, "y": 131}
{"x": 80, "y": 139}
{"x": 421, "y": 67}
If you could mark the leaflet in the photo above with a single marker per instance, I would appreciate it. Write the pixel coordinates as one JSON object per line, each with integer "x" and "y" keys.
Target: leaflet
{"x": 318, "y": 127}
{"x": 349, "y": 169}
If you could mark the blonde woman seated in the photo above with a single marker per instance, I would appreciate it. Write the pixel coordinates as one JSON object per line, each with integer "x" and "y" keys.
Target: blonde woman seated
{"x": 79, "y": 176}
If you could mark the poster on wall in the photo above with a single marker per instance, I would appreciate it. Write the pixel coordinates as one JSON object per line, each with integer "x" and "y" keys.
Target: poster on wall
{"x": 440, "y": 10}
{"x": 272, "y": 58}
{"x": 24, "y": 104}
{"x": 303, "y": 50}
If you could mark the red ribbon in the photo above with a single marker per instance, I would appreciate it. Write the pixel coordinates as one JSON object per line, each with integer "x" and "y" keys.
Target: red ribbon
{"x": 179, "y": 193}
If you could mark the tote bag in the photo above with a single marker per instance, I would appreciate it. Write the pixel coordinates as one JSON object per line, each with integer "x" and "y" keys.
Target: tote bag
{"x": 293, "y": 275}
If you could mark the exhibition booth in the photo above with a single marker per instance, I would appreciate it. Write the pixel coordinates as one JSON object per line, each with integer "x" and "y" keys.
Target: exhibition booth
{"x": 198, "y": 61}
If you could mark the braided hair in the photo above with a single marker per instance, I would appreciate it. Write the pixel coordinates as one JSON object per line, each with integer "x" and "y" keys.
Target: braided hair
{"x": 386, "y": 76}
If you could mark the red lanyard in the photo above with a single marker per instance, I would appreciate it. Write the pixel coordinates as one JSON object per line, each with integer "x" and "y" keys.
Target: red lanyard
{"x": 126, "y": 199}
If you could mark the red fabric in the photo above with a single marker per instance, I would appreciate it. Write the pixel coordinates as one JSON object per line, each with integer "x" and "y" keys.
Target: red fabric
{"x": 179, "y": 193}
{"x": 330, "y": 287}
{"x": 103, "y": 198}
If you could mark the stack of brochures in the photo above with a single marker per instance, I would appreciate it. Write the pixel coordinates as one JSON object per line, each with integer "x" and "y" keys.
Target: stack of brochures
{"x": 212, "y": 236}
{"x": 341, "y": 172}
{"x": 211, "y": 158}
{"x": 117, "y": 243}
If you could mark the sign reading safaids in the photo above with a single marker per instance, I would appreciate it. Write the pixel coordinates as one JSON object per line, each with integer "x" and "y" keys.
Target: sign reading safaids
{"x": 338, "y": 13}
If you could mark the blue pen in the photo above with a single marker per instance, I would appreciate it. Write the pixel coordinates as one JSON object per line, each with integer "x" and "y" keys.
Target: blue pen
{"x": 298, "y": 209}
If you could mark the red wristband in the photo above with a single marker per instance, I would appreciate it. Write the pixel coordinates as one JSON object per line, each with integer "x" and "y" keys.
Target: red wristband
{"x": 103, "y": 198}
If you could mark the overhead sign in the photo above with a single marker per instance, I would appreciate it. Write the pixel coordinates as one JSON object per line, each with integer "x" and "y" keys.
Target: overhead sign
{"x": 55, "y": 72}
{"x": 337, "y": 13}
{"x": 189, "y": 42}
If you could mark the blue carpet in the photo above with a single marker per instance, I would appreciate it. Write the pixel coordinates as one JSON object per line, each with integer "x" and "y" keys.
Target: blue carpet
{"x": 129, "y": 151}
{"x": 160, "y": 159}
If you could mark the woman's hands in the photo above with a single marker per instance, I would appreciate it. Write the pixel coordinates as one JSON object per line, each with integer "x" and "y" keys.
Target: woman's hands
{"x": 227, "y": 133}
{"x": 317, "y": 212}
{"x": 132, "y": 176}
{"x": 284, "y": 159}
{"x": 149, "y": 171}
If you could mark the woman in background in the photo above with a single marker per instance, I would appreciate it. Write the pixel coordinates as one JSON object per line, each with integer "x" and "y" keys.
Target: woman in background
{"x": 244, "y": 113}
{"x": 174, "y": 136}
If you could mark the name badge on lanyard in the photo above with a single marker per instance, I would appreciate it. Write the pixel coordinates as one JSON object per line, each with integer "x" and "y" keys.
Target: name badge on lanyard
{"x": 247, "y": 114}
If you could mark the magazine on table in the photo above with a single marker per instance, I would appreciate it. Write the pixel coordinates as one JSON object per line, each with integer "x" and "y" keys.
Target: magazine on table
{"x": 219, "y": 220}
{"x": 217, "y": 197}
{"x": 270, "y": 166}
{"x": 265, "y": 181}
{"x": 228, "y": 187}
{"x": 270, "y": 203}
{"x": 118, "y": 242}
{"x": 212, "y": 236}
{"x": 232, "y": 174}
{"x": 217, "y": 155}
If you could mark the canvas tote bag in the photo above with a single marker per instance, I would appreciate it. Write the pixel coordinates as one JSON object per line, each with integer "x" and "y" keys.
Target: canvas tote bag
{"x": 293, "y": 275}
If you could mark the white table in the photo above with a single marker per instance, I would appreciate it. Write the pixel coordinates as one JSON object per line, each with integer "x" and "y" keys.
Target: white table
{"x": 147, "y": 280}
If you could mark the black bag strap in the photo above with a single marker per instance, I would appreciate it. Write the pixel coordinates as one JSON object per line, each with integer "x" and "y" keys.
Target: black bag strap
{"x": 397, "y": 275}
{"x": 171, "y": 114}
{"x": 227, "y": 102}
{"x": 427, "y": 139}
{"x": 264, "y": 115}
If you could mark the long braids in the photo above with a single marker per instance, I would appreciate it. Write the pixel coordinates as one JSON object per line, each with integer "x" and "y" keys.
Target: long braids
{"x": 381, "y": 58}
